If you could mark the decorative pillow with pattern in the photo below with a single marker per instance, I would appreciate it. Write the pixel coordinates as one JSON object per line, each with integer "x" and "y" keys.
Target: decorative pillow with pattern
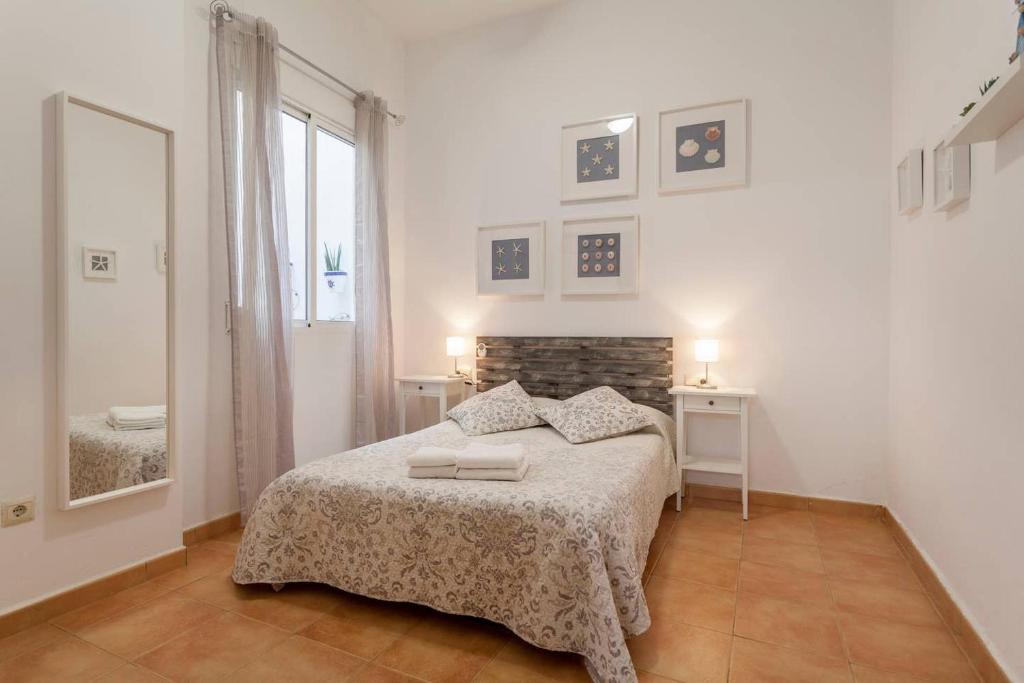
{"x": 600, "y": 413}
{"x": 501, "y": 409}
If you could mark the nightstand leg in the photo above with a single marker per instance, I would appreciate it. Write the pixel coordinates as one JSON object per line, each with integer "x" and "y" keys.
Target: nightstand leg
{"x": 443, "y": 403}
{"x": 744, "y": 450}
{"x": 680, "y": 453}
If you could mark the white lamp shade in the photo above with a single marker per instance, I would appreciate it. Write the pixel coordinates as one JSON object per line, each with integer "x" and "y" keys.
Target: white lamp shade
{"x": 456, "y": 346}
{"x": 706, "y": 350}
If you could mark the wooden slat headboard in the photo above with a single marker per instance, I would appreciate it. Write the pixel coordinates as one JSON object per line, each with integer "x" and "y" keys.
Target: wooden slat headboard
{"x": 639, "y": 368}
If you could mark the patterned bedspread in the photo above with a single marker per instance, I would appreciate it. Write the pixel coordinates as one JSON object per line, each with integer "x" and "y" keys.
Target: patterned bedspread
{"x": 104, "y": 459}
{"x": 557, "y": 558}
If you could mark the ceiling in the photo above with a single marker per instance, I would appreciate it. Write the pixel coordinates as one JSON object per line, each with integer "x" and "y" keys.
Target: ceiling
{"x": 420, "y": 19}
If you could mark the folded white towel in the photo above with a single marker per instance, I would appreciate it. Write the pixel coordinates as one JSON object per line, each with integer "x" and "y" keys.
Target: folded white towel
{"x": 129, "y": 426}
{"x": 145, "y": 417}
{"x": 432, "y": 456}
{"x": 442, "y": 472}
{"x": 489, "y": 456}
{"x": 494, "y": 474}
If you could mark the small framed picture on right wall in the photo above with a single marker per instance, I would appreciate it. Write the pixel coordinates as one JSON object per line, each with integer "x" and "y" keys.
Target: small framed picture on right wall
{"x": 702, "y": 147}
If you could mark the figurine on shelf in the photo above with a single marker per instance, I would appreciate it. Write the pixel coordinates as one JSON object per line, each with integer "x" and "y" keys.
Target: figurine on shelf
{"x": 1020, "y": 31}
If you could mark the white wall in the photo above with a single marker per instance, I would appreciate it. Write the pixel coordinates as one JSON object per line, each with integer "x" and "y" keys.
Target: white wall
{"x": 957, "y": 321}
{"x": 117, "y": 199}
{"x": 148, "y": 58}
{"x": 791, "y": 274}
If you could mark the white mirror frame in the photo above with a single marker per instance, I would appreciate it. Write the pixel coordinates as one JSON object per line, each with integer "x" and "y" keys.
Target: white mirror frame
{"x": 64, "y": 100}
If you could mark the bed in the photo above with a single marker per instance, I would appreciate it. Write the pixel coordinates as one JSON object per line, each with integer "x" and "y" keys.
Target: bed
{"x": 557, "y": 558}
{"x": 104, "y": 459}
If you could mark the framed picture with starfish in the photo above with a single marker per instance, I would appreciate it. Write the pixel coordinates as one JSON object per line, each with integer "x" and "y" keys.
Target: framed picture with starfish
{"x": 599, "y": 159}
{"x": 510, "y": 259}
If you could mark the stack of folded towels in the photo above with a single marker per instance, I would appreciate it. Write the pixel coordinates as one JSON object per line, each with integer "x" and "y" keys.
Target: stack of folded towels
{"x": 124, "y": 418}
{"x": 477, "y": 461}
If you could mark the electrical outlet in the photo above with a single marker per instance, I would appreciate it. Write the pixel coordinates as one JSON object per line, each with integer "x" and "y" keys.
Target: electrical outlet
{"x": 18, "y": 511}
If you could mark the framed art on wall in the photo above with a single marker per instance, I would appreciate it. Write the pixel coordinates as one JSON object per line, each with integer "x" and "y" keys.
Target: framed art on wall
{"x": 600, "y": 255}
{"x": 510, "y": 259}
{"x": 99, "y": 264}
{"x": 599, "y": 159}
{"x": 702, "y": 147}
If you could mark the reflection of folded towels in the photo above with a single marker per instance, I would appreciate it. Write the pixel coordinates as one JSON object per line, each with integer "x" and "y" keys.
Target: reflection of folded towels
{"x": 495, "y": 474}
{"x": 432, "y": 456}
{"x": 440, "y": 472}
{"x": 137, "y": 417}
{"x": 487, "y": 456}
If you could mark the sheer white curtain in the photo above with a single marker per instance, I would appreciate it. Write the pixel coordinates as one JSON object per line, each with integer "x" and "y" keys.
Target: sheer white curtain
{"x": 376, "y": 409}
{"x": 245, "y": 136}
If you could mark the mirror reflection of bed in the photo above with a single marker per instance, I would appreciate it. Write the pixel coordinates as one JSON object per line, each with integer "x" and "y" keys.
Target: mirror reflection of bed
{"x": 112, "y": 256}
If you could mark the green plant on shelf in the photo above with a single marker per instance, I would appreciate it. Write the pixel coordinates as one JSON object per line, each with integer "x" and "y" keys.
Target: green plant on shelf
{"x": 983, "y": 88}
{"x": 332, "y": 259}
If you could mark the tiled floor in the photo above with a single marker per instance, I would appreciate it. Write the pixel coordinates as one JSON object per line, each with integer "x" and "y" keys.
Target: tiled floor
{"x": 787, "y": 597}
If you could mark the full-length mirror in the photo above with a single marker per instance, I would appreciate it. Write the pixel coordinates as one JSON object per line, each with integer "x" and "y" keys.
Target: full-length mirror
{"x": 115, "y": 217}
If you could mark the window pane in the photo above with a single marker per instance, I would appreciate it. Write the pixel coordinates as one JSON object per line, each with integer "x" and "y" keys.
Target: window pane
{"x": 293, "y": 131}
{"x": 335, "y": 218}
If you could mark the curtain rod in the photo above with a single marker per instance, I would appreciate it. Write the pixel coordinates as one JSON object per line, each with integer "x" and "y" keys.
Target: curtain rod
{"x": 222, "y": 8}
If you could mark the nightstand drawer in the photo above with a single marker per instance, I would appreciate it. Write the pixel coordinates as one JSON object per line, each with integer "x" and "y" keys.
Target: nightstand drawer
{"x": 711, "y": 404}
{"x": 422, "y": 389}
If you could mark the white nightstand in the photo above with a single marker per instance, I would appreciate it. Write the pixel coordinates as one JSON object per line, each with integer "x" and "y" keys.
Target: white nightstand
{"x": 721, "y": 401}
{"x": 440, "y": 387}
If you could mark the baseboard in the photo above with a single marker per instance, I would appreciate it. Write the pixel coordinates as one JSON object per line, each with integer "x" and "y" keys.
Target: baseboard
{"x": 786, "y": 500}
{"x": 215, "y": 527}
{"x": 49, "y": 607}
{"x": 970, "y": 641}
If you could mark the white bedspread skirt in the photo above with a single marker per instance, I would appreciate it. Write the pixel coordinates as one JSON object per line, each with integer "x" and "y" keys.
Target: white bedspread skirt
{"x": 557, "y": 557}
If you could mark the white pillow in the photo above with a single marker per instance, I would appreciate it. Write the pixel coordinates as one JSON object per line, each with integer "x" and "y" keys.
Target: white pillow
{"x": 600, "y": 413}
{"x": 501, "y": 409}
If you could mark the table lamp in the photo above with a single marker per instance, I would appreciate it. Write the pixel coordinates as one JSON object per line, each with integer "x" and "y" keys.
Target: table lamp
{"x": 455, "y": 347}
{"x": 706, "y": 352}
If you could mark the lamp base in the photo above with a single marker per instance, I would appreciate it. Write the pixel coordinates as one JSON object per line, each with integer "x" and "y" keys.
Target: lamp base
{"x": 703, "y": 384}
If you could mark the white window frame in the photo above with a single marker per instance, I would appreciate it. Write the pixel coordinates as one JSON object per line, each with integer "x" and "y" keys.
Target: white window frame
{"x": 314, "y": 120}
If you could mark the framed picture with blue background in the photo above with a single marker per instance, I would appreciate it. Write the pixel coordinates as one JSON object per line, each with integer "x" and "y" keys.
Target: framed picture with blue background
{"x": 703, "y": 147}
{"x": 510, "y": 259}
{"x": 600, "y": 255}
{"x": 599, "y": 159}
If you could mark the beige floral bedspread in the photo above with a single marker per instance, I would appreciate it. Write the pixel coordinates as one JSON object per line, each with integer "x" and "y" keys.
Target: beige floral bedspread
{"x": 103, "y": 459}
{"x": 557, "y": 558}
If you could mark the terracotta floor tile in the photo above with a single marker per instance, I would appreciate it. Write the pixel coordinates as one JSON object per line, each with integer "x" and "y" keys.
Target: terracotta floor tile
{"x": 444, "y": 648}
{"x": 373, "y": 673}
{"x": 723, "y": 520}
{"x": 789, "y": 624}
{"x": 520, "y": 662}
{"x": 129, "y": 673}
{"x": 212, "y": 650}
{"x": 28, "y": 640}
{"x": 870, "y": 539}
{"x": 886, "y": 571}
{"x": 676, "y": 563}
{"x": 65, "y": 659}
{"x": 693, "y": 603}
{"x": 292, "y": 608}
{"x": 78, "y": 619}
{"x": 648, "y": 677}
{"x": 682, "y": 652}
{"x": 362, "y": 626}
{"x": 874, "y": 600}
{"x": 785, "y": 583}
{"x": 230, "y": 537}
{"x": 142, "y": 628}
{"x": 710, "y": 540}
{"x": 863, "y": 674}
{"x": 203, "y": 559}
{"x": 924, "y": 651}
{"x": 299, "y": 660}
{"x": 784, "y": 525}
{"x": 771, "y": 551}
{"x": 754, "y": 662}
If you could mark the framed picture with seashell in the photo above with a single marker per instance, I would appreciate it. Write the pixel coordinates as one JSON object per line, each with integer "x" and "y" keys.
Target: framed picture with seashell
{"x": 703, "y": 147}
{"x": 600, "y": 256}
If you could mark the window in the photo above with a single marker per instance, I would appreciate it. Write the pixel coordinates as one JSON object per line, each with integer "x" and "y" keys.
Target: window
{"x": 319, "y": 168}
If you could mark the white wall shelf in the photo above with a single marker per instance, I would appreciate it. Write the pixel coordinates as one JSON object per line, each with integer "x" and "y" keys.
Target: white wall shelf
{"x": 995, "y": 113}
